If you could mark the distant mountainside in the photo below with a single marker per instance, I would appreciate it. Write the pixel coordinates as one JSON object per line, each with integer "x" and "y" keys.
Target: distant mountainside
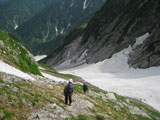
{"x": 113, "y": 28}
{"x": 16, "y": 55}
{"x": 14, "y": 12}
{"x": 55, "y": 21}
{"x": 2, "y": 2}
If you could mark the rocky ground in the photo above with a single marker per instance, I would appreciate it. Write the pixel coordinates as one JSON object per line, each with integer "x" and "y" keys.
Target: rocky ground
{"x": 43, "y": 99}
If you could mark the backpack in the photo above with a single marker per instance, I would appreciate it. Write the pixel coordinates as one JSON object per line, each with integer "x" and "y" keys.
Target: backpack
{"x": 85, "y": 86}
{"x": 70, "y": 89}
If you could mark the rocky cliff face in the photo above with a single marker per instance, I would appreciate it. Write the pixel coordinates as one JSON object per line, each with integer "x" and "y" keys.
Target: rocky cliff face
{"x": 55, "y": 21}
{"x": 113, "y": 28}
{"x": 148, "y": 54}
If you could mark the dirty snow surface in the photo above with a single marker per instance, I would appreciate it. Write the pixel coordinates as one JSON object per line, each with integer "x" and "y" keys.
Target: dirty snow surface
{"x": 5, "y": 68}
{"x": 115, "y": 75}
{"x": 39, "y": 57}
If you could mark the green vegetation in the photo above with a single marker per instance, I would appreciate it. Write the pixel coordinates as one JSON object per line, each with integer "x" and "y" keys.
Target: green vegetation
{"x": 150, "y": 111}
{"x": 120, "y": 98}
{"x": 99, "y": 117}
{"x": 55, "y": 24}
{"x": 23, "y": 10}
{"x": 55, "y": 73}
{"x": 1, "y": 81}
{"x": 98, "y": 90}
{"x": 78, "y": 88}
{"x": 73, "y": 34}
{"x": 17, "y": 55}
{"x": 84, "y": 117}
{"x": 80, "y": 117}
{"x": 20, "y": 98}
{"x": 7, "y": 115}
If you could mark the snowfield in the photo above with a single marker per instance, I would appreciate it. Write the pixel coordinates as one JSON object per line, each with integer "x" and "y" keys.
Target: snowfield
{"x": 85, "y": 4}
{"x": 39, "y": 57}
{"x": 115, "y": 75}
{"x": 5, "y": 68}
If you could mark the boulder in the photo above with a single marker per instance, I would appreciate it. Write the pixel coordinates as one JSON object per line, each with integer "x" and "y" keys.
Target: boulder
{"x": 111, "y": 96}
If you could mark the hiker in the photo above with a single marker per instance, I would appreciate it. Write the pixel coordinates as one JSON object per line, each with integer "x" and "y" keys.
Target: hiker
{"x": 85, "y": 87}
{"x": 68, "y": 92}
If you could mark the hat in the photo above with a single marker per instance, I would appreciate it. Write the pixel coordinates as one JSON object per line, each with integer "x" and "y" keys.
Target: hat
{"x": 70, "y": 80}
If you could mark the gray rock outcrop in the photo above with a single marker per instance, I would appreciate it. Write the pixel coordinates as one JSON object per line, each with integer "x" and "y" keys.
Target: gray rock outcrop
{"x": 148, "y": 54}
{"x": 113, "y": 28}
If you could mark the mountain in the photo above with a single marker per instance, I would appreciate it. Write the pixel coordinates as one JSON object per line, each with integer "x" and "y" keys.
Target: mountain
{"x": 15, "y": 12}
{"x": 2, "y": 2}
{"x": 117, "y": 25}
{"x": 55, "y": 21}
{"x": 14, "y": 54}
{"x": 26, "y": 95}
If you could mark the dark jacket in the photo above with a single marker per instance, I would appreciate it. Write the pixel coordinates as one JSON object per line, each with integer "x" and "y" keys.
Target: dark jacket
{"x": 85, "y": 87}
{"x": 68, "y": 90}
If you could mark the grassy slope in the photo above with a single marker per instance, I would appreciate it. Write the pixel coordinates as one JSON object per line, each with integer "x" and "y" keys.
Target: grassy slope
{"x": 57, "y": 74}
{"x": 20, "y": 98}
{"x": 18, "y": 104}
{"x": 29, "y": 97}
{"x": 15, "y": 54}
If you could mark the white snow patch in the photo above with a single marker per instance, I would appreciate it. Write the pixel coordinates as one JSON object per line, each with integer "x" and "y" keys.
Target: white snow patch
{"x": 141, "y": 39}
{"x": 56, "y": 29}
{"x": 53, "y": 77}
{"x": 72, "y": 3}
{"x": 62, "y": 31}
{"x": 85, "y": 4}
{"x": 69, "y": 25}
{"x": 39, "y": 57}
{"x": 16, "y": 26}
{"x": 115, "y": 75}
{"x": 5, "y": 68}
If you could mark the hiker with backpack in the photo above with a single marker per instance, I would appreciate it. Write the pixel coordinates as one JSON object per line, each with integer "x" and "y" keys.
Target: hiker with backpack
{"x": 68, "y": 92}
{"x": 85, "y": 87}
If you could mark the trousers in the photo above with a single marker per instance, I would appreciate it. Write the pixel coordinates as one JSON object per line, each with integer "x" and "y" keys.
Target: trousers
{"x": 66, "y": 99}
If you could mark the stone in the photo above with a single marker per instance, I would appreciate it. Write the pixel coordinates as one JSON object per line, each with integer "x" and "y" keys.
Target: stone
{"x": 127, "y": 100}
{"x": 117, "y": 108}
{"x": 1, "y": 113}
{"x": 79, "y": 106}
{"x": 50, "y": 86}
{"x": 16, "y": 59}
{"x": 111, "y": 96}
{"x": 49, "y": 112}
{"x": 138, "y": 111}
{"x": 1, "y": 44}
{"x": 15, "y": 89}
